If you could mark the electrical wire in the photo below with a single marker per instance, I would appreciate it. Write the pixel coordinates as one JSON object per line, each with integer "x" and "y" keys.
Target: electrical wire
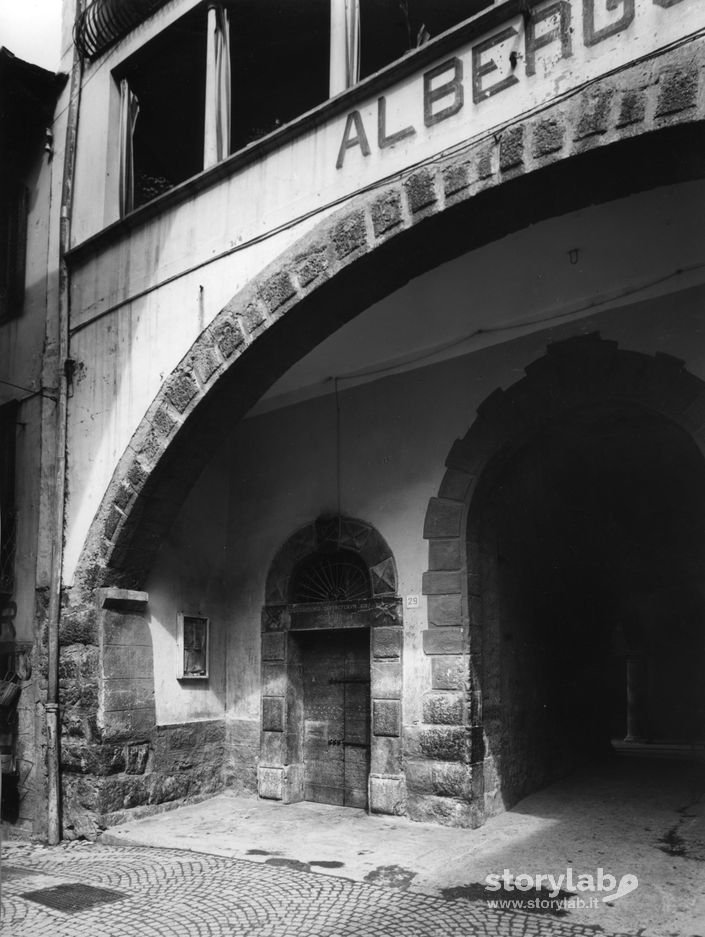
{"x": 544, "y": 321}
{"x": 454, "y": 150}
{"x": 28, "y": 390}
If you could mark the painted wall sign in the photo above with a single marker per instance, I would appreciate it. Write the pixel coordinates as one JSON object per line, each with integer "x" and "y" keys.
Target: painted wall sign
{"x": 551, "y": 49}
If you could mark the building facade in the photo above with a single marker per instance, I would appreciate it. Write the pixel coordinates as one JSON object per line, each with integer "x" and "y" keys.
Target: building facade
{"x": 28, "y": 96}
{"x": 381, "y": 403}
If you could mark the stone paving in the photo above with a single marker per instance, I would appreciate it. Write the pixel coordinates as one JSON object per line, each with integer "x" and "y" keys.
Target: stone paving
{"x": 173, "y": 892}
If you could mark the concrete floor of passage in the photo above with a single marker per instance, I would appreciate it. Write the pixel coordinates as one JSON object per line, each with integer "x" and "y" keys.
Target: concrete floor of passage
{"x": 625, "y": 816}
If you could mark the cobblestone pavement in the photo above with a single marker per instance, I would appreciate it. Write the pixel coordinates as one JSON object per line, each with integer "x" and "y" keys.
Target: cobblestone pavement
{"x": 173, "y": 892}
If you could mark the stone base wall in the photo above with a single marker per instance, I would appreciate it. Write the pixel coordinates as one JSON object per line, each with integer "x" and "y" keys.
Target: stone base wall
{"x": 110, "y": 779}
{"x": 114, "y": 758}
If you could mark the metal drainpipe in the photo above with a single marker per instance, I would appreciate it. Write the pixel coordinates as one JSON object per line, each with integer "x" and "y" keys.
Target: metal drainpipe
{"x": 63, "y": 378}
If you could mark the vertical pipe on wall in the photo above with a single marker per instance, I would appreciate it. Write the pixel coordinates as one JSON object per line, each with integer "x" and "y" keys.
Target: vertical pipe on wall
{"x": 57, "y": 532}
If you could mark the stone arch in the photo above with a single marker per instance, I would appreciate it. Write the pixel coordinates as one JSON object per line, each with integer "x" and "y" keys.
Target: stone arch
{"x": 281, "y": 769}
{"x": 622, "y": 134}
{"x": 575, "y": 374}
{"x": 333, "y": 533}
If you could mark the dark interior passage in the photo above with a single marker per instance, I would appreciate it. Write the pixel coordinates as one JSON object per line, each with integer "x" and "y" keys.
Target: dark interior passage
{"x": 593, "y": 547}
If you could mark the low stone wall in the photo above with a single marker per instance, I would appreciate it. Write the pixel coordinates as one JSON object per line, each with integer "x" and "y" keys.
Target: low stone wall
{"x": 115, "y": 760}
{"x": 103, "y": 784}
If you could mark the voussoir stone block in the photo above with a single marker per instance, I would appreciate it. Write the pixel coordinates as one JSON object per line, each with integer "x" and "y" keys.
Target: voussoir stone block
{"x": 311, "y": 265}
{"x": 277, "y": 290}
{"x": 228, "y": 337}
{"x": 444, "y": 554}
{"x": 181, "y": 390}
{"x": 386, "y": 213}
{"x": 350, "y": 234}
{"x": 443, "y": 518}
{"x": 511, "y": 149}
{"x": 678, "y": 90}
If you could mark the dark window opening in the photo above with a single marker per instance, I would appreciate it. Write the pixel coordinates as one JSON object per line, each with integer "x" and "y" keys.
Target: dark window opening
{"x": 13, "y": 244}
{"x": 390, "y": 29}
{"x": 168, "y": 78}
{"x": 279, "y": 69}
{"x": 280, "y": 64}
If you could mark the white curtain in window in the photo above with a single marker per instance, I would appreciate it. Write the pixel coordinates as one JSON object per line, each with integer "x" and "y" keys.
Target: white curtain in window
{"x": 352, "y": 42}
{"x": 129, "y": 110}
{"x": 344, "y": 45}
{"x": 216, "y": 144}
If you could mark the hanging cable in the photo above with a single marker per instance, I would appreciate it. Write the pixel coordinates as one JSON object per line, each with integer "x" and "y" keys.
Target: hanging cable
{"x": 28, "y": 390}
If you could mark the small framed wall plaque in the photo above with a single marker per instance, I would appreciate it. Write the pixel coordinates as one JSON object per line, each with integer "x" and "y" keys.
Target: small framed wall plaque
{"x": 193, "y": 647}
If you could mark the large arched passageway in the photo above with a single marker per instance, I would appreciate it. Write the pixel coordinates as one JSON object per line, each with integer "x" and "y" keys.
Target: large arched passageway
{"x": 593, "y": 544}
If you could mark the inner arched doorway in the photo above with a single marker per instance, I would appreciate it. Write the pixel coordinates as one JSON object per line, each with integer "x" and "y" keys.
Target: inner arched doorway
{"x": 566, "y": 549}
{"x": 331, "y": 670}
{"x": 592, "y": 538}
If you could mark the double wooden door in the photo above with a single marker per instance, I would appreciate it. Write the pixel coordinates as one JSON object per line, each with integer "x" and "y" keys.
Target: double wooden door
{"x": 336, "y": 703}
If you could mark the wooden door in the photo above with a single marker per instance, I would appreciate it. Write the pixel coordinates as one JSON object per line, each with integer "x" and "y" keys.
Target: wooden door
{"x": 336, "y": 689}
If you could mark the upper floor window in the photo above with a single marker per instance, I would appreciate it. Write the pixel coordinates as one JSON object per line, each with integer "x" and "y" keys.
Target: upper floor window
{"x": 390, "y": 29}
{"x": 217, "y": 79}
{"x": 228, "y": 73}
{"x": 162, "y": 111}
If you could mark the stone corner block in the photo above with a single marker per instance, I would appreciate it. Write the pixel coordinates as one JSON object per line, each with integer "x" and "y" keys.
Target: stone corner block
{"x": 443, "y": 641}
{"x": 388, "y": 795}
{"x": 270, "y": 783}
{"x": 443, "y": 708}
{"x": 441, "y": 582}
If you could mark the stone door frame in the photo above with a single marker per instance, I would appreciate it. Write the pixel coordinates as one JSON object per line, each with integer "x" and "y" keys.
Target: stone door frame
{"x": 280, "y": 772}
